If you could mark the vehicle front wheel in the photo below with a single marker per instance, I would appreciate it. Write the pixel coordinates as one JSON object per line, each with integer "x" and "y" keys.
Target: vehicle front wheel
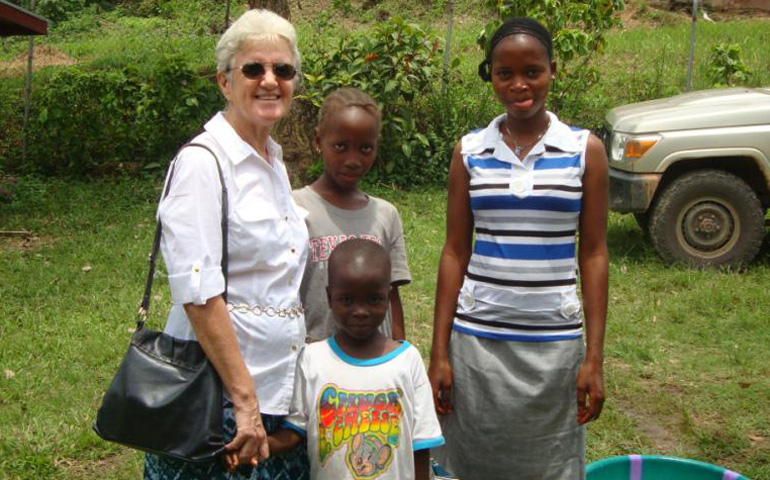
{"x": 708, "y": 217}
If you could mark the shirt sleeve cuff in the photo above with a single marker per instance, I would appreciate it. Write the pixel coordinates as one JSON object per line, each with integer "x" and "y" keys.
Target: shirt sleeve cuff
{"x": 426, "y": 444}
{"x": 196, "y": 285}
{"x": 401, "y": 276}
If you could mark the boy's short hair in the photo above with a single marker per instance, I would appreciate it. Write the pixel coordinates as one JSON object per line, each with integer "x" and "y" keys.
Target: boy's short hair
{"x": 361, "y": 253}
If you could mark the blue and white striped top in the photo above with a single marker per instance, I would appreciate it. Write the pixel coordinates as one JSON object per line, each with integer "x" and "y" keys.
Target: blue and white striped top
{"x": 521, "y": 282}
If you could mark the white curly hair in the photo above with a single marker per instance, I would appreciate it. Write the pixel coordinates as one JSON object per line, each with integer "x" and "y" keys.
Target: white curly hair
{"x": 255, "y": 26}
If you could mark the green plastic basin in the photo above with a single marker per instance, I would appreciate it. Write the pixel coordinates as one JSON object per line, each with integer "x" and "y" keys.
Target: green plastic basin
{"x": 654, "y": 467}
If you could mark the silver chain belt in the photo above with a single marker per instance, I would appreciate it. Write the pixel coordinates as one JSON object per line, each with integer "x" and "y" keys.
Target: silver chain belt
{"x": 291, "y": 312}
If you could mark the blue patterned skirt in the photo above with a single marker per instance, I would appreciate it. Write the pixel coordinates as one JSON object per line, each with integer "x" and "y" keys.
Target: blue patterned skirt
{"x": 293, "y": 465}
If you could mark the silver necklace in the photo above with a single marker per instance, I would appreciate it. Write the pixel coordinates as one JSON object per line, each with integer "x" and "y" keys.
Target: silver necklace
{"x": 517, "y": 147}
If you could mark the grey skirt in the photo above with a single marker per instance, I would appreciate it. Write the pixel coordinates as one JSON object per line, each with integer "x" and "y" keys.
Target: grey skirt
{"x": 515, "y": 410}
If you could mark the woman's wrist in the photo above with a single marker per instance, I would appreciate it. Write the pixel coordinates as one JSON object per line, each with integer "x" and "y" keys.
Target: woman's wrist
{"x": 442, "y": 331}
{"x": 594, "y": 358}
{"x": 439, "y": 353}
{"x": 244, "y": 398}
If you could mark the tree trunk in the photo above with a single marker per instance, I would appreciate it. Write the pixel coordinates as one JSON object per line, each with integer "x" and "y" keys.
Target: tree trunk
{"x": 281, "y": 7}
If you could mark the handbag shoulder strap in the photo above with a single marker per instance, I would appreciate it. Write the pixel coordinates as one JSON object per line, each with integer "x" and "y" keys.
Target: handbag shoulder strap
{"x": 145, "y": 306}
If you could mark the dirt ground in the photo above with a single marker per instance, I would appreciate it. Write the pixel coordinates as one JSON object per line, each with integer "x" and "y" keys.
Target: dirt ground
{"x": 22, "y": 242}
{"x": 640, "y": 14}
{"x": 44, "y": 56}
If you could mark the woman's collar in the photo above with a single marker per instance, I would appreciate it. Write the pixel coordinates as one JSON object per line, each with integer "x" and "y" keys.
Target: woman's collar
{"x": 559, "y": 136}
{"x": 236, "y": 149}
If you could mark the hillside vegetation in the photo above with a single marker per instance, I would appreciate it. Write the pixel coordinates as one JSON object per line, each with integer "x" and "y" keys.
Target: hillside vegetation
{"x": 149, "y": 64}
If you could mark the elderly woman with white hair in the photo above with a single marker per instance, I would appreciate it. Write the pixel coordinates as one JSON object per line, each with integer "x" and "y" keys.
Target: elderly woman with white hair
{"x": 249, "y": 319}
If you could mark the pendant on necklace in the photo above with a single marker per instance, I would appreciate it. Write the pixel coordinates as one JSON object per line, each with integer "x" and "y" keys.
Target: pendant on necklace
{"x": 517, "y": 147}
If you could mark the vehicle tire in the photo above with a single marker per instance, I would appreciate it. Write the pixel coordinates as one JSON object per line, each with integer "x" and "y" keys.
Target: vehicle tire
{"x": 707, "y": 218}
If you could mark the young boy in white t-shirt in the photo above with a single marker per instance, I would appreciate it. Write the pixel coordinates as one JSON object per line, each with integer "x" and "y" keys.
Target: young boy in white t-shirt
{"x": 362, "y": 400}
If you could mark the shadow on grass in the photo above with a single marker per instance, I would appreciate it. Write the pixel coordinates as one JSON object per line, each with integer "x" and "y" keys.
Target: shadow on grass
{"x": 626, "y": 241}
{"x": 763, "y": 257}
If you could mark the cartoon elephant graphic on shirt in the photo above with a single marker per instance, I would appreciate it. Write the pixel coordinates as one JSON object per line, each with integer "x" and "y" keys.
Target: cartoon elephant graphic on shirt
{"x": 368, "y": 456}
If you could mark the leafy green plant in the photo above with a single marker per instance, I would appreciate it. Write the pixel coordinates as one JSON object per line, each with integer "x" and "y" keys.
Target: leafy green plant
{"x": 726, "y": 68}
{"x": 12, "y": 113}
{"x": 343, "y": 6}
{"x": 578, "y": 28}
{"x": 7, "y": 183}
{"x": 447, "y": 116}
{"x": 87, "y": 121}
{"x": 84, "y": 22}
{"x": 397, "y": 63}
{"x": 58, "y": 10}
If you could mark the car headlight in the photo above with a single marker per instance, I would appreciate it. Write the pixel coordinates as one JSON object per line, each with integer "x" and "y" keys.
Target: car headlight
{"x": 630, "y": 147}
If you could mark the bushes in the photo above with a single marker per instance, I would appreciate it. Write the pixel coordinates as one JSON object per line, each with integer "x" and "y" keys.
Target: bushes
{"x": 399, "y": 65}
{"x": 103, "y": 119}
{"x": 87, "y": 120}
{"x": 396, "y": 64}
{"x": 11, "y": 111}
{"x": 726, "y": 68}
{"x": 444, "y": 117}
{"x": 578, "y": 28}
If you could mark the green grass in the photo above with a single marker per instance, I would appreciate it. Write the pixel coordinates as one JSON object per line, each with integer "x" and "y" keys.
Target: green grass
{"x": 114, "y": 40}
{"x": 64, "y": 328}
{"x": 686, "y": 353}
{"x": 686, "y": 367}
{"x": 644, "y": 63}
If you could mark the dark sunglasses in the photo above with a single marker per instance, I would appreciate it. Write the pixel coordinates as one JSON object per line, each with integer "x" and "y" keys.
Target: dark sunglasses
{"x": 255, "y": 70}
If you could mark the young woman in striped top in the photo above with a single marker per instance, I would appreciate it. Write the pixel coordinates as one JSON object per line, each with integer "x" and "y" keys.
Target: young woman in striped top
{"x": 516, "y": 366}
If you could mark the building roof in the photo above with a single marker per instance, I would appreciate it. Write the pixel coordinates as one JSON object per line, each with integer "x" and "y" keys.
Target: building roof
{"x": 15, "y": 20}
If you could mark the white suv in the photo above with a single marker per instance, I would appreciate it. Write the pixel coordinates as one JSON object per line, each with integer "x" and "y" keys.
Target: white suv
{"x": 694, "y": 170}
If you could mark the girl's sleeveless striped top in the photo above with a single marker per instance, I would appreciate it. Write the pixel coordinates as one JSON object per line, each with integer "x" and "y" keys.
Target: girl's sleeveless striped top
{"x": 521, "y": 282}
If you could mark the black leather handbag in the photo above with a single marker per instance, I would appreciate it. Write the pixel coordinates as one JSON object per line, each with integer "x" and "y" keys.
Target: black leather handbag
{"x": 166, "y": 397}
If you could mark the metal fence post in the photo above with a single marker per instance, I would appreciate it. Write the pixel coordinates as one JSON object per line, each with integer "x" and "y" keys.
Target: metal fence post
{"x": 449, "y": 22}
{"x": 27, "y": 91}
{"x": 690, "y": 60}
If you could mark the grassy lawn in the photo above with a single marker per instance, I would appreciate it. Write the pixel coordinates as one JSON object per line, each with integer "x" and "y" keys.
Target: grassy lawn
{"x": 686, "y": 355}
{"x": 687, "y": 370}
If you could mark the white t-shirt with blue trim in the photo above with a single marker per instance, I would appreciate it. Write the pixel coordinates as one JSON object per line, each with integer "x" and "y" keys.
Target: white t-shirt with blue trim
{"x": 363, "y": 419}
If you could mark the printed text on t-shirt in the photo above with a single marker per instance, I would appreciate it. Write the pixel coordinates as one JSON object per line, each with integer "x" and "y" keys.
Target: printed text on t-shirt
{"x": 322, "y": 247}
